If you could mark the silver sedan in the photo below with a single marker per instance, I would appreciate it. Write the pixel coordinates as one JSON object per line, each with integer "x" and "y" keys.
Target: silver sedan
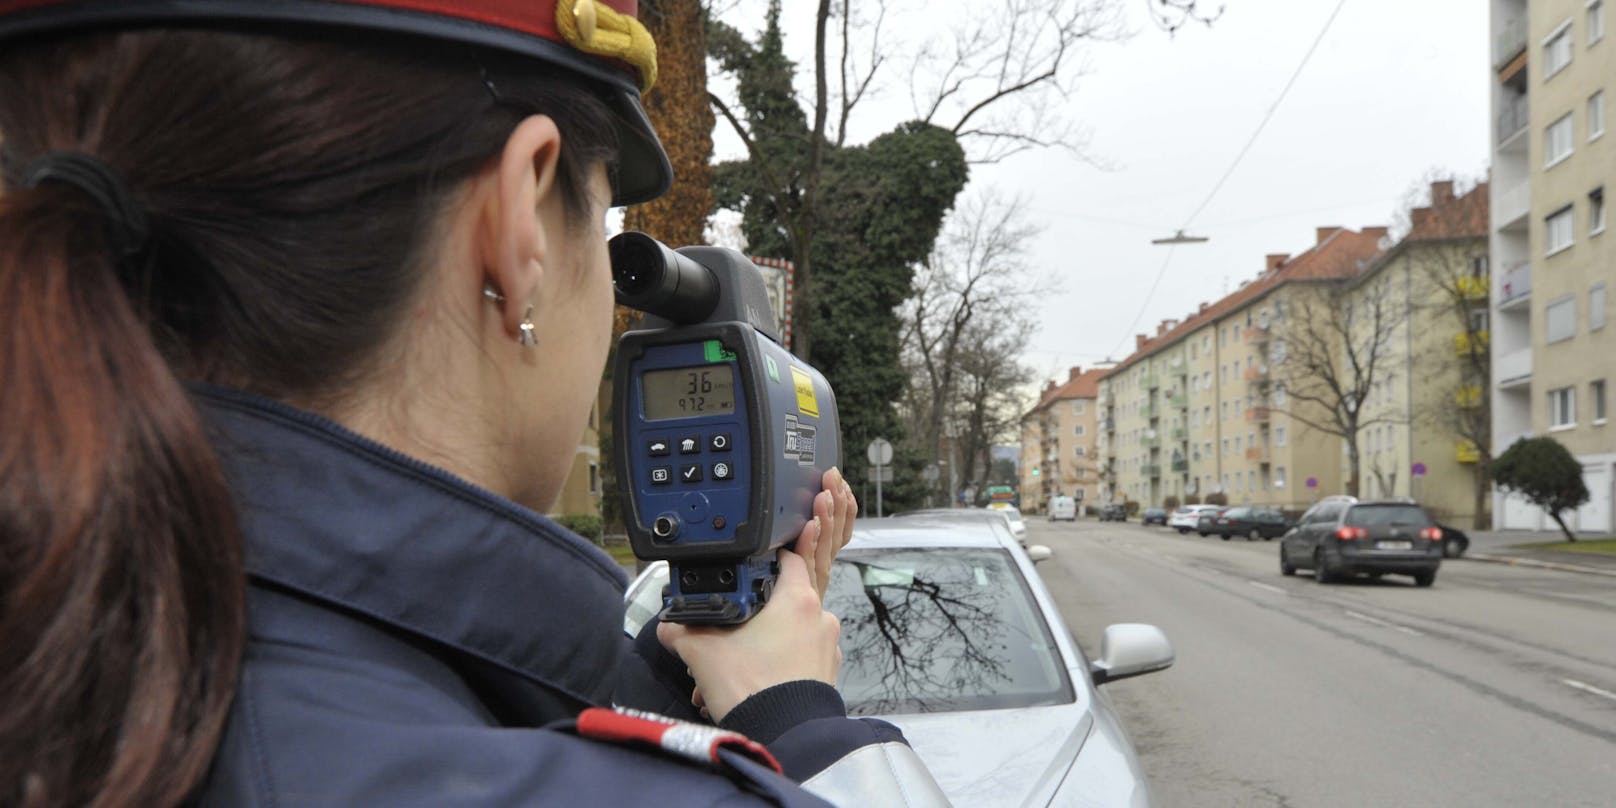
{"x": 948, "y": 632}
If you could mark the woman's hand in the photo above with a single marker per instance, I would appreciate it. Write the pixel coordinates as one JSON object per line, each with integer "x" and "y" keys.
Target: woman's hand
{"x": 791, "y": 638}
{"x": 830, "y": 530}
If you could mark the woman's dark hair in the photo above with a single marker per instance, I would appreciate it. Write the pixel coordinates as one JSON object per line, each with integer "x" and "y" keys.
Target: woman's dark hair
{"x": 292, "y": 185}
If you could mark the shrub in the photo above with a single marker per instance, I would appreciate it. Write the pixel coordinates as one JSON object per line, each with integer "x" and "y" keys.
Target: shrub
{"x": 1130, "y": 507}
{"x": 1192, "y": 499}
{"x": 1545, "y": 473}
{"x": 1219, "y": 498}
{"x": 587, "y": 525}
{"x": 1170, "y": 503}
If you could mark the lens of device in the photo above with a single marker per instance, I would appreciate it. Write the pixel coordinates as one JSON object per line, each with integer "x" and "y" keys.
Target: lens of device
{"x": 654, "y": 279}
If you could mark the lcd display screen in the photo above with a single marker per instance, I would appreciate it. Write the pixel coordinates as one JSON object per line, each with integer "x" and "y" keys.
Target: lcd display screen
{"x": 688, "y": 392}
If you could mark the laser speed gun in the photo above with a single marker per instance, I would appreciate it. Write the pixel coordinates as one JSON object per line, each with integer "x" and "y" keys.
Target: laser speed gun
{"x": 721, "y": 435}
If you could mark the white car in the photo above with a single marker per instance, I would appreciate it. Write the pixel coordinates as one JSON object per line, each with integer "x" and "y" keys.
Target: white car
{"x": 1018, "y": 526}
{"x": 948, "y": 633}
{"x": 1062, "y": 507}
{"x": 1187, "y": 518}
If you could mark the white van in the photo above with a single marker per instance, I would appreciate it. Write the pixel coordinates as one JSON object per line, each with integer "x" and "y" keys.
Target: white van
{"x": 1062, "y": 507}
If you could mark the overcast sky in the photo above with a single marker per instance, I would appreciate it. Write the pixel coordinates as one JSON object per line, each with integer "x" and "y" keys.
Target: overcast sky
{"x": 1396, "y": 89}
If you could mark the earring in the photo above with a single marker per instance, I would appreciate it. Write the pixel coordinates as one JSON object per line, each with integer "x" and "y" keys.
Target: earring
{"x": 528, "y": 337}
{"x": 492, "y": 294}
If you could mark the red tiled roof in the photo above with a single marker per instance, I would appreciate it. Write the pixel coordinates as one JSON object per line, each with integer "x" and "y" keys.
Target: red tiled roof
{"x": 1086, "y": 385}
{"x": 1341, "y": 254}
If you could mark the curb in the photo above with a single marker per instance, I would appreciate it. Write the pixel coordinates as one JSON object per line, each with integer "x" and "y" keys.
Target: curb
{"x": 1515, "y": 561}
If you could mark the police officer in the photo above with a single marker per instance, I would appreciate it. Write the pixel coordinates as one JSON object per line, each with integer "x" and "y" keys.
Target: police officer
{"x": 307, "y": 304}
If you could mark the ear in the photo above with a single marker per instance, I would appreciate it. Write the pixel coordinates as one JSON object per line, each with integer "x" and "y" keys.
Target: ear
{"x": 515, "y": 240}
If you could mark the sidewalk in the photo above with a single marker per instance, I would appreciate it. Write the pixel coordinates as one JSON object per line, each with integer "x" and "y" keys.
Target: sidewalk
{"x": 1507, "y": 547}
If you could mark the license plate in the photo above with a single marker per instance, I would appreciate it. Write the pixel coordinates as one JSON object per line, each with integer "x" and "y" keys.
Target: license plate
{"x": 1394, "y": 545}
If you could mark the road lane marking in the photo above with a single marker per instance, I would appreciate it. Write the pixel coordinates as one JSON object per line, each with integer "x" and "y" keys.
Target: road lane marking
{"x": 1269, "y": 587}
{"x": 1587, "y": 688}
{"x": 1384, "y": 624}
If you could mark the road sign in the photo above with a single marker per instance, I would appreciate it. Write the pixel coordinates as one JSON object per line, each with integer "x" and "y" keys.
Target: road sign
{"x": 1418, "y": 470}
{"x": 881, "y": 474}
{"x": 1312, "y": 482}
{"x": 879, "y": 452}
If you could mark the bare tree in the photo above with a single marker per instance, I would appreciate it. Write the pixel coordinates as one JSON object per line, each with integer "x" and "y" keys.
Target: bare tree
{"x": 1331, "y": 349}
{"x": 989, "y": 399}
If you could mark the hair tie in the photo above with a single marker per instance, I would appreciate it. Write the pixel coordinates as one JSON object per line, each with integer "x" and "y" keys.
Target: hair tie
{"x": 126, "y": 222}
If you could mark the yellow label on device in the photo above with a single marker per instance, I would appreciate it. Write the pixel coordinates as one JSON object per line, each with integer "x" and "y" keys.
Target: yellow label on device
{"x": 806, "y": 400}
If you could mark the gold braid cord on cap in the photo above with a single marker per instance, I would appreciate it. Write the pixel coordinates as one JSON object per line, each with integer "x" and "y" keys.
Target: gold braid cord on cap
{"x": 599, "y": 29}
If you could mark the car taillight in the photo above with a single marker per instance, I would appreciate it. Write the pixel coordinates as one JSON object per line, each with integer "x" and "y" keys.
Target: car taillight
{"x": 1431, "y": 533}
{"x": 1350, "y": 533}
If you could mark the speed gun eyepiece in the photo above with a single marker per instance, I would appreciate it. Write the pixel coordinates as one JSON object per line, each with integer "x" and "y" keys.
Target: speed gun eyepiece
{"x": 651, "y": 278}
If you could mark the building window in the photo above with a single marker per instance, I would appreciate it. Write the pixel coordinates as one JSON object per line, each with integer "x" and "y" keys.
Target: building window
{"x": 1078, "y": 408}
{"x": 1237, "y": 444}
{"x": 1560, "y": 231}
{"x": 1596, "y": 307}
{"x": 1596, "y": 115}
{"x": 1557, "y": 141}
{"x": 1596, "y": 211}
{"x": 1080, "y": 430}
{"x": 1279, "y": 476}
{"x": 594, "y": 478}
{"x": 1557, "y": 50}
{"x": 1596, "y": 21}
{"x": 1563, "y": 408}
{"x": 1225, "y": 445}
{"x": 1280, "y": 397}
{"x": 1560, "y": 319}
{"x": 1080, "y": 451}
{"x": 1279, "y": 436}
{"x": 1596, "y": 394}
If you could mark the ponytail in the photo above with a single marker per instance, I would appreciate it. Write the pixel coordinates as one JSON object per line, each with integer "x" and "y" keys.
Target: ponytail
{"x": 122, "y": 594}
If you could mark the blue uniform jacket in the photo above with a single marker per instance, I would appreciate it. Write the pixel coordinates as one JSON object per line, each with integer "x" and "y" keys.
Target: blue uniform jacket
{"x": 415, "y": 640}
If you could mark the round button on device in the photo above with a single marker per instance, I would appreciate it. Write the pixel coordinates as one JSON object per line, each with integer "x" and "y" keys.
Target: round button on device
{"x": 693, "y": 508}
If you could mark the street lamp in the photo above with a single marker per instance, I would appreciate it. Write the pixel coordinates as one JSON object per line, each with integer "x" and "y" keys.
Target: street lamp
{"x": 1180, "y": 238}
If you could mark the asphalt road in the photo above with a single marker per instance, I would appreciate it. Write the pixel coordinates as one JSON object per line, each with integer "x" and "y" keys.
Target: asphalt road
{"x": 1497, "y": 686}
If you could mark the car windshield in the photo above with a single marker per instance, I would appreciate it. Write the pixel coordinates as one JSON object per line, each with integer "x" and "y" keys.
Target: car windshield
{"x": 1238, "y": 513}
{"x": 1387, "y": 515}
{"x": 933, "y": 630}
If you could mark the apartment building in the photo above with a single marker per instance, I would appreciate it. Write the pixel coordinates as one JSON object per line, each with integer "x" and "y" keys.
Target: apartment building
{"x": 1553, "y": 355}
{"x": 1197, "y": 409}
{"x": 1059, "y": 442}
{"x": 580, "y": 494}
{"x": 1423, "y": 321}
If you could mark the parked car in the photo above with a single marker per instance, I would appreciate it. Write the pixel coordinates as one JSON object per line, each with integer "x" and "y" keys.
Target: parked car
{"x": 994, "y": 516}
{"x": 1062, "y": 507}
{"x": 948, "y": 633}
{"x": 1188, "y": 518}
{"x": 1253, "y": 523}
{"x": 1207, "y": 523}
{"x": 1154, "y": 516}
{"x": 1454, "y": 542}
{"x": 1113, "y": 513}
{"x": 1012, "y": 514}
{"x": 1339, "y": 538}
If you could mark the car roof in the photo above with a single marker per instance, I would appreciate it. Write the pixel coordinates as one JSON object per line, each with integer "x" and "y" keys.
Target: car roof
{"x": 930, "y": 530}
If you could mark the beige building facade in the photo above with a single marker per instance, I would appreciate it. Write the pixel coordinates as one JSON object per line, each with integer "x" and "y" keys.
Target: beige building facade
{"x": 1554, "y": 354}
{"x": 1060, "y": 442}
{"x": 1196, "y": 410}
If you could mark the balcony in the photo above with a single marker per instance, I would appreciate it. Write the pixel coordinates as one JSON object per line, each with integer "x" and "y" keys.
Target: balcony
{"x": 1180, "y": 466}
{"x": 1510, "y": 42}
{"x": 1511, "y": 206}
{"x": 1153, "y": 471}
{"x": 1180, "y": 434}
{"x": 1468, "y": 397}
{"x": 1257, "y": 335}
{"x": 1512, "y": 118}
{"x": 1150, "y": 442}
{"x": 1258, "y": 415}
{"x": 1258, "y": 454}
{"x": 1108, "y": 425}
{"x": 1516, "y": 290}
{"x": 1514, "y": 370}
{"x": 1151, "y": 411}
{"x": 1465, "y": 342}
{"x": 1467, "y": 452}
{"x": 1257, "y": 373}
{"x": 1473, "y": 289}
{"x": 1150, "y": 381}
{"x": 1178, "y": 401}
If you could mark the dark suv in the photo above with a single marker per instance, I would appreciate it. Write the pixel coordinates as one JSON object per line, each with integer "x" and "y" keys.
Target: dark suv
{"x": 1113, "y": 513}
{"x": 1341, "y": 537}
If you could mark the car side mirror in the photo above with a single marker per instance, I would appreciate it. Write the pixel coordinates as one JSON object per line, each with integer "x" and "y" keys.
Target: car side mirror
{"x": 1130, "y": 649}
{"x": 1038, "y": 552}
